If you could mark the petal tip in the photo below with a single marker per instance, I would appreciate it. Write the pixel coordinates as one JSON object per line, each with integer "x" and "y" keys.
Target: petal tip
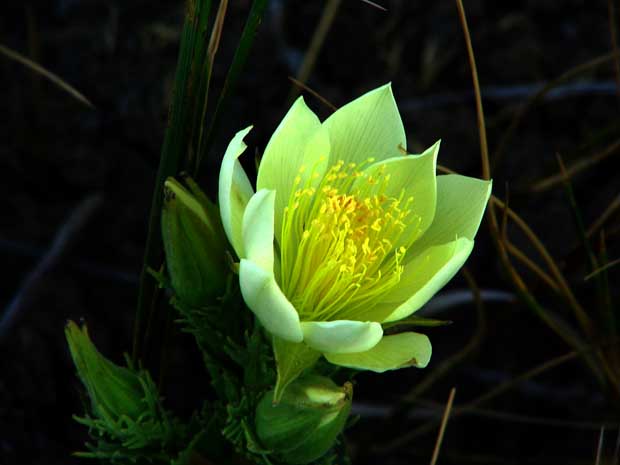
{"x": 422, "y": 360}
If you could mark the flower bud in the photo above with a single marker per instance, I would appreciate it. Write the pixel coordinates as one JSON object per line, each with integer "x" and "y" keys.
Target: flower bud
{"x": 194, "y": 243}
{"x": 304, "y": 425}
{"x": 114, "y": 391}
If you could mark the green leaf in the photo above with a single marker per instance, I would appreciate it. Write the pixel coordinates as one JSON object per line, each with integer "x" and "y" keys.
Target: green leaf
{"x": 175, "y": 153}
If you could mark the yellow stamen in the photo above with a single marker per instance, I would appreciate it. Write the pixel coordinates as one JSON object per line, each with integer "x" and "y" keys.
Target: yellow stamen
{"x": 342, "y": 243}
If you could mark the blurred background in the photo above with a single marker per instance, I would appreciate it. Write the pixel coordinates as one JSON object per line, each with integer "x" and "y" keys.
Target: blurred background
{"x": 531, "y": 350}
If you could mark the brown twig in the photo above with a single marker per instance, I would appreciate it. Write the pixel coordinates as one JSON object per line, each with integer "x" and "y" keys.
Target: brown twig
{"x": 55, "y": 79}
{"x": 489, "y": 395}
{"x": 446, "y": 365}
{"x": 579, "y": 311}
{"x": 601, "y": 220}
{"x": 484, "y": 149}
{"x": 511, "y": 417}
{"x": 599, "y": 448}
{"x": 602, "y": 268}
{"x": 314, "y": 93}
{"x": 442, "y": 427}
{"x": 216, "y": 33}
{"x": 576, "y": 168}
{"x": 376, "y": 5}
{"x": 536, "y": 97}
{"x": 533, "y": 267}
{"x": 318, "y": 38}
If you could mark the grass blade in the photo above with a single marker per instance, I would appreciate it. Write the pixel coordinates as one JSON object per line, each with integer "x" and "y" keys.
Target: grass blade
{"x": 174, "y": 151}
{"x": 234, "y": 73}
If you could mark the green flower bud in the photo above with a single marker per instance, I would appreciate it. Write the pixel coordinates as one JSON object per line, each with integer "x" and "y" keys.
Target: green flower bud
{"x": 114, "y": 391}
{"x": 304, "y": 425}
{"x": 194, "y": 242}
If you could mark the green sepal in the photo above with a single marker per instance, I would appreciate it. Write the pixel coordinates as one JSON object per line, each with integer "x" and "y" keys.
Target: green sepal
{"x": 304, "y": 425}
{"x": 125, "y": 417}
{"x": 114, "y": 391}
{"x": 292, "y": 359}
{"x": 194, "y": 243}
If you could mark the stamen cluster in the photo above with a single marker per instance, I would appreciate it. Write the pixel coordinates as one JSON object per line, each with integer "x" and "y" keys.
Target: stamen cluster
{"x": 341, "y": 244}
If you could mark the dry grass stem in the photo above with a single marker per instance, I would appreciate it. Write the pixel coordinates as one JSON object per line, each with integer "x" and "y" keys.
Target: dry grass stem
{"x": 551, "y": 264}
{"x": 576, "y": 168}
{"x": 536, "y": 97}
{"x": 316, "y": 44}
{"x": 376, "y": 5}
{"x": 442, "y": 427}
{"x": 602, "y": 268}
{"x": 601, "y": 220}
{"x": 216, "y": 34}
{"x": 55, "y": 79}
{"x": 448, "y": 364}
{"x": 484, "y": 149}
{"x": 533, "y": 267}
{"x": 314, "y": 93}
{"x": 599, "y": 448}
{"x": 489, "y": 395}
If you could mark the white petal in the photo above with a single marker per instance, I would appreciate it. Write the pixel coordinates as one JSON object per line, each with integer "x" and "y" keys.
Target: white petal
{"x": 258, "y": 229}
{"x": 234, "y": 191}
{"x": 263, "y": 296}
{"x": 425, "y": 275}
{"x": 393, "y": 352}
{"x": 341, "y": 336}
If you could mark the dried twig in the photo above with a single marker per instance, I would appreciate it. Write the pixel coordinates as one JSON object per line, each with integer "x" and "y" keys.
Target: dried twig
{"x": 314, "y": 93}
{"x": 442, "y": 428}
{"x": 602, "y": 268}
{"x": 55, "y": 79}
{"x": 538, "y": 96}
{"x": 376, "y": 5}
{"x": 489, "y": 395}
{"x": 320, "y": 33}
{"x": 599, "y": 449}
{"x": 576, "y": 168}
{"x": 609, "y": 211}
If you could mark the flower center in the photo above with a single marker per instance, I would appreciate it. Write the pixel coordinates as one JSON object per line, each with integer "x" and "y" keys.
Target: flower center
{"x": 341, "y": 244}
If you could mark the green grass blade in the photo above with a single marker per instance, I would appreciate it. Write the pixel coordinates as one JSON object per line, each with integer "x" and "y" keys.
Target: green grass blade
{"x": 173, "y": 157}
{"x": 234, "y": 72}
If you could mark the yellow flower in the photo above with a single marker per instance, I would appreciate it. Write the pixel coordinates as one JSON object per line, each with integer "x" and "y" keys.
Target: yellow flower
{"x": 346, "y": 232}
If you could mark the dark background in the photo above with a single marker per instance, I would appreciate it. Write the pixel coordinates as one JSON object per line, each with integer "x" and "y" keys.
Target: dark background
{"x": 55, "y": 153}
